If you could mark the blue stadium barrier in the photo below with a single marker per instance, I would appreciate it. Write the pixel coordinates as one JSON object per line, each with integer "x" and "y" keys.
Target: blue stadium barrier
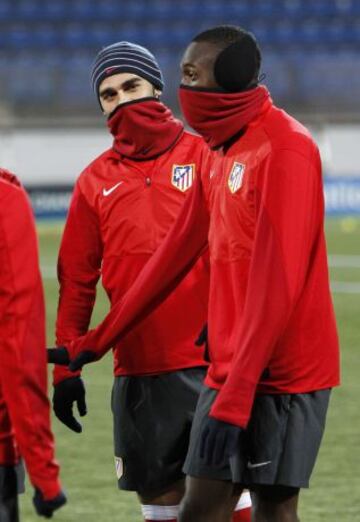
{"x": 342, "y": 198}
{"x": 50, "y": 202}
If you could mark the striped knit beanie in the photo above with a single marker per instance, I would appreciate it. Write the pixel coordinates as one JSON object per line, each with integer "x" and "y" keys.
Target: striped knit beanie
{"x": 126, "y": 57}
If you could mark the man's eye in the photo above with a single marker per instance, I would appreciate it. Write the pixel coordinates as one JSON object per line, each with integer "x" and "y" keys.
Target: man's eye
{"x": 108, "y": 96}
{"x": 132, "y": 88}
{"x": 191, "y": 75}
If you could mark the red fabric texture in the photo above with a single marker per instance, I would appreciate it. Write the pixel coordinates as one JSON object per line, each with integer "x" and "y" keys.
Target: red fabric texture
{"x": 144, "y": 129}
{"x": 24, "y": 406}
{"x": 219, "y": 116}
{"x": 242, "y": 515}
{"x": 137, "y": 302}
{"x": 271, "y": 321}
{"x": 114, "y": 236}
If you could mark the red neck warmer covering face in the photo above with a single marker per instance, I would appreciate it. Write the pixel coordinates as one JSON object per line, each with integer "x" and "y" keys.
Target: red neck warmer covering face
{"x": 218, "y": 116}
{"x": 143, "y": 129}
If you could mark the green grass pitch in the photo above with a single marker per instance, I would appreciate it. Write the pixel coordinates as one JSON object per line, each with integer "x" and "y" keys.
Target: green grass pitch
{"x": 88, "y": 471}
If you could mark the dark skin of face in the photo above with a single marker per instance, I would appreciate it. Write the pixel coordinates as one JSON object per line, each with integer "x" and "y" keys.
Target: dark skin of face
{"x": 197, "y": 65}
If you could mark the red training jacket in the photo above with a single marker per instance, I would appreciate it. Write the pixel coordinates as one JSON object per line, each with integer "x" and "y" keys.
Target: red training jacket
{"x": 271, "y": 321}
{"x": 120, "y": 212}
{"x": 24, "y": 407}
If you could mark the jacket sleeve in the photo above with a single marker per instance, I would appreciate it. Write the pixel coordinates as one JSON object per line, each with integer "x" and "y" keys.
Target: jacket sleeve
{"x": 290, "y": 211}
{"x": 23, "y": 371}
{"x": 79, "y": 266}
{"x": 185, "y": 242}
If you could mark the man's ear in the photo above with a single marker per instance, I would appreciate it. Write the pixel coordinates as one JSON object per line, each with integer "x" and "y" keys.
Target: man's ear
{"x": 157, "y": 93}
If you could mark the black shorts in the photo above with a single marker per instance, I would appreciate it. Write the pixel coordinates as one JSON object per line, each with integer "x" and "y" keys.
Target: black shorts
{"x": 279, "y": 447}
{"x": 152, "y": 423}
{"x": 12, "y": 481}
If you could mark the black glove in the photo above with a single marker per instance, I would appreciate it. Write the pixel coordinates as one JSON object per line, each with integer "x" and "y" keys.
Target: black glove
{"x": 58, "y": 355}
{"x": 45, "y": 508}
{"x": 65, "y": 394}
{"x": 219, "y": 441}
{"x": 202, "y": 340}
{"x": 81, "y": 359}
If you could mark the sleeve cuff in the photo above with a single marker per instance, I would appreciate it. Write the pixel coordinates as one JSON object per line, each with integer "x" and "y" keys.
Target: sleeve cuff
{"x": 61, "y": 373}
{"x": 234, "y": 403}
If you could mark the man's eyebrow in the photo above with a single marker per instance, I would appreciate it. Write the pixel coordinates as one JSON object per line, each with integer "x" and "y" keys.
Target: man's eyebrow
{"x": 130, "y": 83}
{"x": 125, "y": 85}
{"x": 107, "y": 91}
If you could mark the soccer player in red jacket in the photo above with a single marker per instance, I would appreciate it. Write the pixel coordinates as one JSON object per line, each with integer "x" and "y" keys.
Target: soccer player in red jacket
{"x": 24, "y": 406}
{"x": 122, "y": 207}
{"x": 272, "y": 334}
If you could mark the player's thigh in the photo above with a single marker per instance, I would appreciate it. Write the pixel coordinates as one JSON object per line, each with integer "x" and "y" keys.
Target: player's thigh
{"x": 194, "y": 465}
{"x": 11, "y": 484}
{"x": 12, "y": 480}
{"x": 284, "y": 436}
{"x": 275, "y": 504}
{"x": 208, "y": 500}
{"x": 9, "y": 510}
{"x": 152, "y": 422}
{"x": 169, "y": 496}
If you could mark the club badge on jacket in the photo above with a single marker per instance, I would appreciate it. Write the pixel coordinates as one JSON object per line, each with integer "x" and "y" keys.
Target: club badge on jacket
{"x": 182, "y": 176}
{"x": 236, "y": 177}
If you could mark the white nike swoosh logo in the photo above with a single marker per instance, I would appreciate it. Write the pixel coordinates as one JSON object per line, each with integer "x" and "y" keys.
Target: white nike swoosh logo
{"x": 110, "y": 190}
{"x": 250, "y": 465}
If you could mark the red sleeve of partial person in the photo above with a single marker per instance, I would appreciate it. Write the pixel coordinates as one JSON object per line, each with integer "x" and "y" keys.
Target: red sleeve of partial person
{"x": 78, "y": 273}
{"x": 23, "y": 371}
{"x": 185, "y": 242}
{"x": 289, "y": 213}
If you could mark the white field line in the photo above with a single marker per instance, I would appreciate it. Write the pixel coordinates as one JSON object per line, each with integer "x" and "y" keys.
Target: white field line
{"x": 340, "y": 287}
{"x": 344, "y": 261}
{"x": 344, "y": 287}
{"x": 335, "y": 261}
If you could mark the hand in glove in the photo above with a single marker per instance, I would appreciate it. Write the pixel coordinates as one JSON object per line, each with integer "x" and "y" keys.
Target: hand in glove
{"x": 46, "y": 508}
{"x": 60, "y": 355}
{"x": 66, "y": 393}
{"x": 219, "y": 441}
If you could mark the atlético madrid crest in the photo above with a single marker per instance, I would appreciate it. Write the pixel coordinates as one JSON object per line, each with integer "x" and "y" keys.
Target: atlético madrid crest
{"x": 236, "y": 177}
{"x": 182, "y": 176}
